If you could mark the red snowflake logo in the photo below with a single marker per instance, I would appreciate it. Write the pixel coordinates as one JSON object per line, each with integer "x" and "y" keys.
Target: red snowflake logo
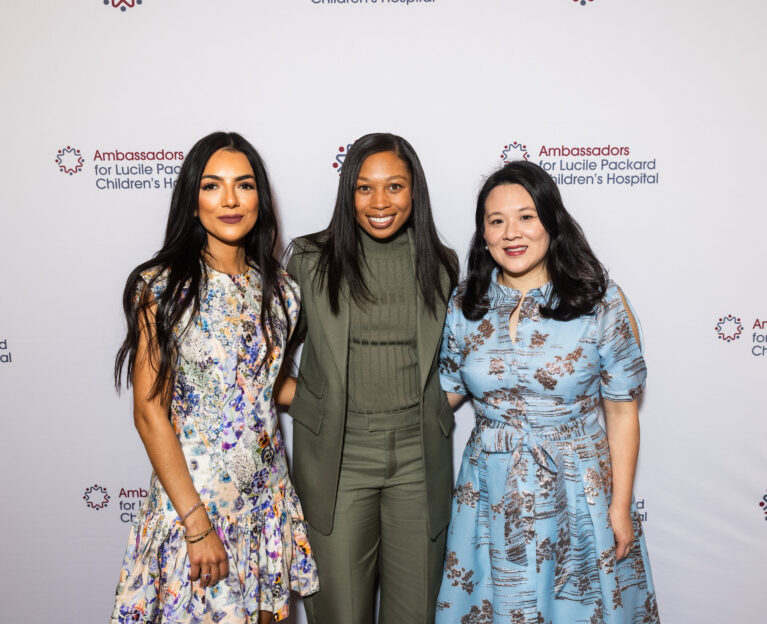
{"x": 729, "y": 328}
{"x": 69, "y": 160}
{"x": 96, "y": 497}
{"x": 520, "y": 151}
{"x": 123, "y": 4}
{"x": 340, "y": 157}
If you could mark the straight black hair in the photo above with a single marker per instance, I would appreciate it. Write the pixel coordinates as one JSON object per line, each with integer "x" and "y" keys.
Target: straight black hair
{"x": 340, "y": 244}
{"x": 578, "y": 279}
{"x": 180, "y": 262}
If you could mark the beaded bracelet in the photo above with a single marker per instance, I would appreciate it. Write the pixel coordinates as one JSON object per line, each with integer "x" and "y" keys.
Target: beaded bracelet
{"x": 189, "y": 513}
{"x": 193, "y": 539}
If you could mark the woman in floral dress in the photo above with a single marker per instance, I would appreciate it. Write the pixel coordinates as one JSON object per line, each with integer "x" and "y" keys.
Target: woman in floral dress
{"x": 221, "y": 536}
{"x": 544, "y": 529}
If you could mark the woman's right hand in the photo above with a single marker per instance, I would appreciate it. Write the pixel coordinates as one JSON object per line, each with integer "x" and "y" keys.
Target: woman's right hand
{"x": 208, "y": 557}
{"x": 284, "y": 389}
{"x": 150, "y": 412}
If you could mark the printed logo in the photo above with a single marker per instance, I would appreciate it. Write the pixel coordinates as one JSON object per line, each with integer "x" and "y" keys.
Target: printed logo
{"x": 519, "y": 151}
{"x": 344, "y": 3}
{"x": 641, "y": 509}
{"x": 120, "y": 169}
{"x": 69, "y": 160}
{"x": 96, "y": 497}
{"x": 729, "y": 328}
{"x": 341, "y": 157}
{"x": 5, "y": 354}
{"x": 763, "y": 505}
{"x": 125, "y": 505}
{"x": 130, "y": 501}
{"x": 759, "y": 340}
{"x": 123, "y": 4}
{"x": 599, "y": 164}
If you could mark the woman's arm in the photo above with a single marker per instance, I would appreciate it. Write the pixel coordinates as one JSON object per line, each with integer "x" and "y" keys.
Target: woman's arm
{"x": 622, "y": 423}
{"x": 284, "y": 387}
{"x": 150, "y": 416}
{"x": 285, "y": 384}
{"x": 454, "y": 399}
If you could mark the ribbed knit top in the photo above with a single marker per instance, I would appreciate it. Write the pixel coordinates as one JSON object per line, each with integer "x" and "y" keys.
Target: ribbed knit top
{"x": 383, "y": 360}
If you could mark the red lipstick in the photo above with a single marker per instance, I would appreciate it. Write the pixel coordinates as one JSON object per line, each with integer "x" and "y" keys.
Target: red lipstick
{"x": 515, "y": 251}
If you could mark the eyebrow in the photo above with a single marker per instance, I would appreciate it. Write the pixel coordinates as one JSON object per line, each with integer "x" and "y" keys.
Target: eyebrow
{"x": 247, "y": 176}
{"x": 394, "y": 177}
{"x": 522, "y": 209}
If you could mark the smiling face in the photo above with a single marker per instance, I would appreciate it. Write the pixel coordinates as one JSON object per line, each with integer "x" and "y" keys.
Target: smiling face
{"x": 228, "y": 199}
{"x": 515, "y": 236}
{"x": 383, "y": 199}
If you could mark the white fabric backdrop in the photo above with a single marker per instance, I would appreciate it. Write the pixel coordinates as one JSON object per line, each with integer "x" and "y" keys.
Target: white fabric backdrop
{"x": 679, "y": 84}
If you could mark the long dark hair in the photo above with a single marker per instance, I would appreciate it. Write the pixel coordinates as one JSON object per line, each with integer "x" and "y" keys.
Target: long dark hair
{"x": 180, "y": 263}
{"x": 578, "y": 279}
{"x": 340, "y": 244}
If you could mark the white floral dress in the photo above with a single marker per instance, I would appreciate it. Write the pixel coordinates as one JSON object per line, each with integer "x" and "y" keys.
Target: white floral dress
{"x": 223, "y": 413}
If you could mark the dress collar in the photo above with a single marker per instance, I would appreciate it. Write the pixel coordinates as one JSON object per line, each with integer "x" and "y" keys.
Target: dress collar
{"x": 498, "y": 294}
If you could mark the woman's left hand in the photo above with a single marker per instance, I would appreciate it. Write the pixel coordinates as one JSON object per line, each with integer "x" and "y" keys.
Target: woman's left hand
{"x": 623, "y": 529}
{"x": 622, "y": 421}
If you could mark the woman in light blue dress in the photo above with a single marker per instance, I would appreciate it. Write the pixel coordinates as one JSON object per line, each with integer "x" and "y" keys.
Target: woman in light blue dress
{"x": 544, "y": 529}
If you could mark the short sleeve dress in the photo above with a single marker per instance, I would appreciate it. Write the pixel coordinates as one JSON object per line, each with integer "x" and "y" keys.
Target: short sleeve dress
{"x": 530, "y": 541}
{"x": 223, "y": 413}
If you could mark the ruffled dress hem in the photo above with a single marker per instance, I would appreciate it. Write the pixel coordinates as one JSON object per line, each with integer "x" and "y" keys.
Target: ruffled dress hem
{"x": 269, "y": 556}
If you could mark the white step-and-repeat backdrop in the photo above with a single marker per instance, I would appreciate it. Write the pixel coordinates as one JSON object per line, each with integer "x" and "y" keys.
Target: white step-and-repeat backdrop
{"x": 649, "y": 114}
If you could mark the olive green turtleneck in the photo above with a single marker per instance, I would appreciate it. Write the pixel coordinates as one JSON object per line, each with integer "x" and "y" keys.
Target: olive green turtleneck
{"x": 383, "y": 361}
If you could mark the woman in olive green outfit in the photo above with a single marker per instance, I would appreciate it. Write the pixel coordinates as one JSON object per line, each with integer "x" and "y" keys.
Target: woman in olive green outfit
{"x": 371, "y": 440}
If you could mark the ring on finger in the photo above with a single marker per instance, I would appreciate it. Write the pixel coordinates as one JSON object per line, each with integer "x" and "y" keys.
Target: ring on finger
{"x": 206, "y": 577}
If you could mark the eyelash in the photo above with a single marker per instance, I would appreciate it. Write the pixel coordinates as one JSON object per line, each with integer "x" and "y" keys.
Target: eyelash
{"x": 210, "y": 186}
{"x": 396, "y": 187}
{"x": 522, "y": 218}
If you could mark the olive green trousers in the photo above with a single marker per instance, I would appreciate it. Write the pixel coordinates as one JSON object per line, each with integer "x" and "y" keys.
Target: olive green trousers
{"x": 380, "y": 535}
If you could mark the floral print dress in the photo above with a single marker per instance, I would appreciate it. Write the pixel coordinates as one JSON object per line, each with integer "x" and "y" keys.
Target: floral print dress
{"x": 226, "y": 422}
{"x": 529, "y": 541}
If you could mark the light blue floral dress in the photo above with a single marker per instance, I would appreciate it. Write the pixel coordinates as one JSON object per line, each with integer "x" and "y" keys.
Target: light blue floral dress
{"x": 225, "y": 419}
{"x": 529, "y": 541}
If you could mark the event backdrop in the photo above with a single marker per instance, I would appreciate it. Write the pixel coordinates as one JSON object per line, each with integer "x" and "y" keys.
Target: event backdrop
{"x": 649, "y": 114}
